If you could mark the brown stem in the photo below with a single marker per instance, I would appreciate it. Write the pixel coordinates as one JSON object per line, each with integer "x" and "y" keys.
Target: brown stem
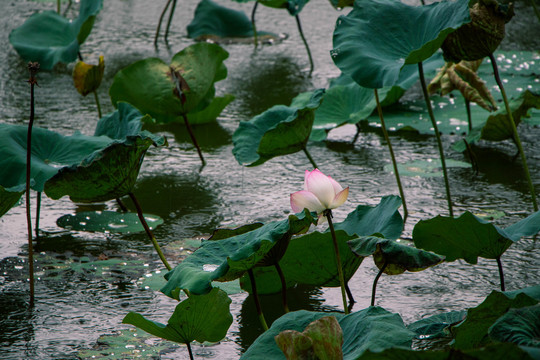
{"x": 375, "y": 283}
{"x": 501, "y": 274}
{"x": 189, "y": 351}
{"x": 253, "y": 23}
{"x": 171, "y": 14}
{"x": 121, "y": 205}
{"x": 160, "y": 21}
{"x": 469, "y": 118}
{"x": 193, "y": 139}
{"x": 38, "y": 209}
{"x": 283, "y": 287}
{"x": 305, "y": 44}
{"x": 256, "y": 298}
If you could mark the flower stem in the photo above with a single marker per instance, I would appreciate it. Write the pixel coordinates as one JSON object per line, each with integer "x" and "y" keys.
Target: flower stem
{"x": 305, "y": 43}
{"x": 437, "y": 135}
{"x": 309, "y": 157}
{"x": 160, "y": 21}
{"x": 148, "y": 231}
{"x": 283, "y": 287}
{"x": 38, "y": 209}
{"x": 97, "y": 104}
{"x": 253, "y": 23}
{"x": 256, "y": 298}
{"x": 328, "y": 214}
{"x": 514, "y": 128}
{"x": 193, "y": 139}
{"x": 189, "y": 351}
{"x": 501, "y": 274}
{"x": 394, "y": 162}
{"x": 171, "y": 14}
{"x": 32, "y": 68}
{"x": 375, "y": 282}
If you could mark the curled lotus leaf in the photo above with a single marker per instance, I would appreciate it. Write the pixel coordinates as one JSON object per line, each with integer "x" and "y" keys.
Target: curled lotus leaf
{"x": 378, "y": 38}
{"x": 49, "y": 38}
{"x": 87, "y": 77}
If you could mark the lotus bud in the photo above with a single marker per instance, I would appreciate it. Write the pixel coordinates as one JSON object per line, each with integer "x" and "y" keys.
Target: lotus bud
{"x": 86, "y": 77}
{"x": 480, "y": 37}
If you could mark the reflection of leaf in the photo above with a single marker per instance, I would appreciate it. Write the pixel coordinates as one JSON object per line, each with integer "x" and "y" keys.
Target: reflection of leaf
{"x": 519, "y": 326}
{"x": 373, "y": 328}
{"x": 199, "y": 317}
{"x": 107, "y": 221}
{"x": 49, "y": 38}
{"x": 378, "y": 37}
{"x": 280, "y": 130}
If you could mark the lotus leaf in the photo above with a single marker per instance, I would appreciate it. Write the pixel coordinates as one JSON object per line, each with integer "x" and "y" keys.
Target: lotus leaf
{"x": 469, "y": 237}
{"x": 293, "y": 6}
{"x": 280, "y": 130}
{"x": 228, "y": 259}
{"x": 378, "y": 38}
{"x": 87, "y": 77}
{"x": 437, "y": 325}
{"x": 397, "y": 256}
{"x": 172, "y": 90}
{"x": 372, "y": 329}
{"x": 519, "y": 326}
{"x": 107, "y": 221}
{"x": 8, "y": 199}
{"x": 310, "y": 259}
{"x": 212, "y": 111}
{"x": 199, "y": 317}
{"x": 473, "y": 332}
{"x": 49, "y": 38}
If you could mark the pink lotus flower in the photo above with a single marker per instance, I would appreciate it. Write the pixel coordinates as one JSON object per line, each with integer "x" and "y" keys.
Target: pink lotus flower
{"x": 320, "y": 193}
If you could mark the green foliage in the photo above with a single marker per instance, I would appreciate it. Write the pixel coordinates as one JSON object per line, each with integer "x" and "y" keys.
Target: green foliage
{"x": 107, "y": 221}
{"x": 519, "y": 326}
{"x": 184, "y": 86}
{"x": 280, "y": 130}
{"x": 437, "y": 325}
{"x": 377, "y": 38}
{"x": 199, "y": 317}
{"x": 8, "y": 199}
{"x": 372, "y": 329}
{"x": 49, "y": 38}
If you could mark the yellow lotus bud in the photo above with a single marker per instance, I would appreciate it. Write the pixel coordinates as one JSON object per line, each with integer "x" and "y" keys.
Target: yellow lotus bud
{"x": 86, "y": 77}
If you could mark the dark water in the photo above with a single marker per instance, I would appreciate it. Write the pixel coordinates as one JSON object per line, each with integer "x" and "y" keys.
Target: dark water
{"x": 75, "y": 307}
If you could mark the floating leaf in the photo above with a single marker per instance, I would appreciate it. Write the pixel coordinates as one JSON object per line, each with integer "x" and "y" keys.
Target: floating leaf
{"x": 397, "y": 256}
{"x": 437, "y": 325}
{"x": 87, "y": 77}
{"x": 519, "y": 326}
{"x": 377, "y": 38}
{"x": 228, "y": 259}
{"x": 49, "y": 38}
{"x": 425, "y": 168}
{"x": 469, "y": 237}
{"x": 199, "y": 317}
{"x": 171, "y": 90}
{"x": 372, "y": 329}
{"x": 107, "y": 221}
{"x": 473, "y": 332}
{"x": 280, "y": 130}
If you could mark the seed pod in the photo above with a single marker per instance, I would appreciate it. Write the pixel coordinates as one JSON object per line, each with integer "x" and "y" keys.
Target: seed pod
{"x": 480, "y": 37}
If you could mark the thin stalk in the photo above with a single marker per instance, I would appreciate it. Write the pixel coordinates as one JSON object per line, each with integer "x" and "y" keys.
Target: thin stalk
{"x": 148, "y": 231}
{"x": 58, "y": 6}
{"x": 328, "y": 214}
{"x": 357, "y": 134}
{"x": 160, "y": 21}
{"x": 283, "y": 287}
{"x": 189, "y": 351}
{"x": 97, "y": 104}
{"x": 79, "y": 55}
{"x": 514, "y": 128}
{"x": 305, "y": 44}
{"x": 535, "y": 9}
{"x": 256, "y": 298}
{"x": 349, "y": 294}
{"x": 501, "y": 274}
{"x": 171, "y": 14}
{"x": 33, "y": 68}
{"x": 375, "y": 283}
{"x": 38, "y": 209}
{"x": 193, "y": 139}
{"x": 437, "y": 135}
{"x": 309, "y": 157}
{"x": 394, "y": 162}
{"x": 253, "y": 23}
{"x": 469, "y": 118}
{"x": 121, "y": 205}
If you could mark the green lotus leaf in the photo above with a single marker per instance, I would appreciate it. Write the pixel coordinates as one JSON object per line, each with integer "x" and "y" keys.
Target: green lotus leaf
{"x": 280, "y": 130}
{"x": 8, "y": 199}
{"x": 210, "y": 112}
{"x": 473, "y": 332}
{"x": 165, "y": 96}
{"x": 49, "y": 38}
{"x": 228, "y": 259}
{"x": 293, "y": 6}
{"x": 519, "y": 326}
{"x": 377, "y": 38}
{"x": 398, "y": 256}
{"x": 437, "y": 325}
{"x": 213, "y": 20}
{"x": 107, "y": 221}
{"x": 220, "y": 234}
{"x": 310, "y": 259}
{"x": 372, "y": 329}
{"x": 469, "y": 237}
{"x": 425, "y": 168}
{"x": 199, "y": 317}
{"x": 340, "y": 4}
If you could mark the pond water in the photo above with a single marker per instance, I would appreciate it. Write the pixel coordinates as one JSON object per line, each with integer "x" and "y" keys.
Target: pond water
{"x": 78, "y": 300}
